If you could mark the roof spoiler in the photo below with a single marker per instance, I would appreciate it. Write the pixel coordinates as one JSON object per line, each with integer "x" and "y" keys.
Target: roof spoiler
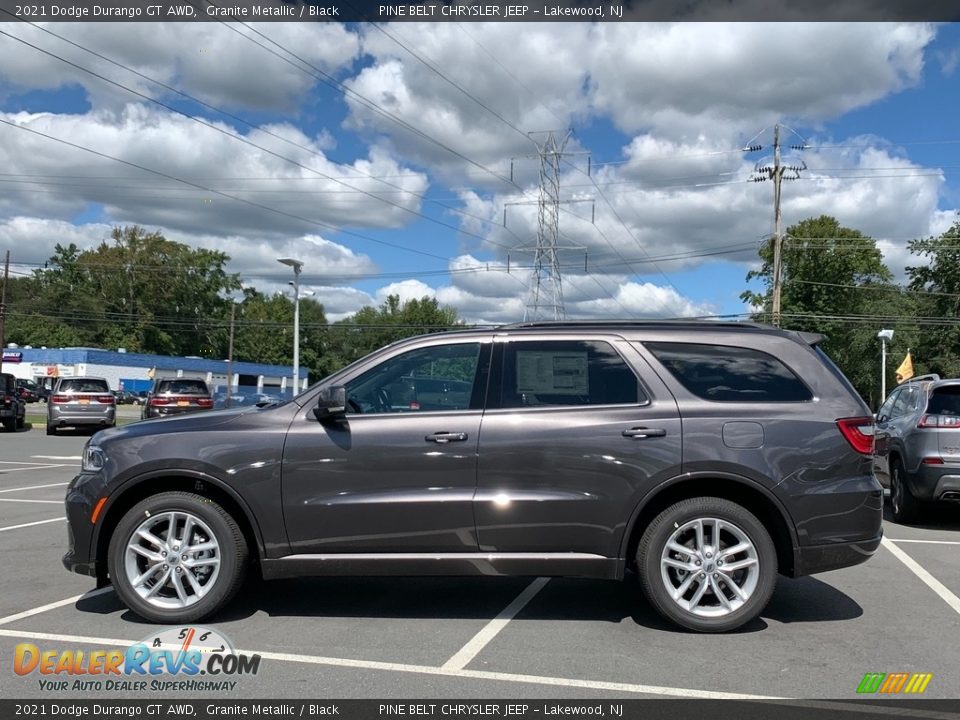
{"x": 811, "y": 339}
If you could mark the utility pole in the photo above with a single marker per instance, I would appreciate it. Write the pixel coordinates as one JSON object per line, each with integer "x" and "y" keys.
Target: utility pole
{"x": 777, "y": 228}
{"x": 233, "y": 315}
{"x": 3, "y": 306}
{"x": 778, "y": 172}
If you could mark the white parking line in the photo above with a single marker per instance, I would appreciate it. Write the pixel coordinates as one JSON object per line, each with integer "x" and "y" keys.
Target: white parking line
{"x": 479, "y": 641}
{"x": 18, "y": 500}
{"x": 926, "y": 542}
{"x": 33, "y": 487}
{"x": 4, "y": 471}
{"x": 58, "y": 457}
{"x": 31, "y": 524}
{"x": 53, "y": 606}
{"x": 422, "y": 669}
{"x": 938, "y": 587}
{"x": 20, "y": 462}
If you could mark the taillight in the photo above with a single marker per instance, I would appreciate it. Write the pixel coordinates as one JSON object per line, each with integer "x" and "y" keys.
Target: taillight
{"x": 858, "y": 431}
{"x": 60, "y": 399}
{"x": 939, "y": 421}
{"x": 932, "y": 461}
{"x": 205, "y": 402}
{"x": 106, "y": 399}
{"x": 160, "y": 401}
{"x": 7, "y": 399}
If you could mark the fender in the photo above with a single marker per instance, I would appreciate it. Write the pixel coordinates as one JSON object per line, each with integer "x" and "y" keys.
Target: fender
{"x": 704, "y": 475}
{"x": 193, "y": 474}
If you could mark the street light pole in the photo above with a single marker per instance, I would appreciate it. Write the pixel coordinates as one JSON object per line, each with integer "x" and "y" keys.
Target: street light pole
{"x": 884, "y": 336}
{"x": 297, "y": 266}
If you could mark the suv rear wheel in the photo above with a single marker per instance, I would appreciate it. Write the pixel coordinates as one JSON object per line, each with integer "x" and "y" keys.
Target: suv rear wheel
{"x": 707, "y": 564}
{"x": 903, "y": 505}
{"x": 177, "y": 557}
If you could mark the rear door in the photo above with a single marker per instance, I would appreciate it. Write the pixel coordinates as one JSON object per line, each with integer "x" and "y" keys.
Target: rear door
{"x": 575, "y": 431}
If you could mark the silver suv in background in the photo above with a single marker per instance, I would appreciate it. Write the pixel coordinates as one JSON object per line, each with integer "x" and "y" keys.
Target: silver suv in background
{"x": 81, "y": 401}
{"x": 175, "y": 396}
{"x": 918, "y": 445}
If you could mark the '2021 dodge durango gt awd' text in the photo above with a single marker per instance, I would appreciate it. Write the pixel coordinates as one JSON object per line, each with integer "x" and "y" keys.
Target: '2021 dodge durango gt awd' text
{"x": 705, "y": 457}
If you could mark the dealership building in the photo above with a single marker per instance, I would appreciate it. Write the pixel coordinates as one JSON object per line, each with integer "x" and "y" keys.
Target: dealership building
{"x": 135, "y": 371}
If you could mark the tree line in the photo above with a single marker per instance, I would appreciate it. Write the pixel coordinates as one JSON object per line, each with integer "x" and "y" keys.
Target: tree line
{"x": 145, "y": 293}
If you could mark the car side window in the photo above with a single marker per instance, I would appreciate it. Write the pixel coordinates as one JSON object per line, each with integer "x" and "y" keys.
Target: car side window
{"x": 902, "y": 405}
{"x": 566, "y": 372}
{"x": 439, "y": 377}
{"x": 886, "y": 410}
{"x": 722, "y": 373}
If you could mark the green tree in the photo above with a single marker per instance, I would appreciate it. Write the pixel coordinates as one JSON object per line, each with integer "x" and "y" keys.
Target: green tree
{"x": 372, "y": 328}
{"x": 139, "y": 291}
{"x": 938, "y": 347}
{"x": 834, "y": 282}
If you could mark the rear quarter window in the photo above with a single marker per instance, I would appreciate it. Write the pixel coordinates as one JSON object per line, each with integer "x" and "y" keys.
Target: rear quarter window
{"x": 724, "y": 373}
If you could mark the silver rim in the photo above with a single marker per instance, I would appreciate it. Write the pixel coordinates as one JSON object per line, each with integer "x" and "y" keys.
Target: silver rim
{"x": 172, "y": 560}
{"x": 709, "y": 567}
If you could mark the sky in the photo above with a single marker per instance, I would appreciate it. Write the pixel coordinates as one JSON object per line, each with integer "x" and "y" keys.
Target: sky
{"x": 402, "y": 158}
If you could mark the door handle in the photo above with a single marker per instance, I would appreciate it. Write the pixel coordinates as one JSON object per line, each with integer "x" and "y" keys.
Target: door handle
{"x": 642, "y": 432}
{"x": 446, "y": 437}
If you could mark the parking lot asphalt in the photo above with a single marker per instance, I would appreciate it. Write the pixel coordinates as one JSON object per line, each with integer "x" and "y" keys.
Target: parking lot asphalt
{"x": 490, "y": 637}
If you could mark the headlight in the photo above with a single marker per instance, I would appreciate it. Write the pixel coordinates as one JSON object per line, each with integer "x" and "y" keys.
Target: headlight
{"x": 93, "y": 458}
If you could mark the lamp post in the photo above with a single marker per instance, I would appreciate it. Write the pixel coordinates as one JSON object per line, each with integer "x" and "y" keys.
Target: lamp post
{"x": 297, "y": 266}
{"x": 885, "y": 336}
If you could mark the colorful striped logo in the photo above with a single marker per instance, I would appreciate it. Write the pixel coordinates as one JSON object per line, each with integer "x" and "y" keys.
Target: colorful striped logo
{"x": 894, "y": 683}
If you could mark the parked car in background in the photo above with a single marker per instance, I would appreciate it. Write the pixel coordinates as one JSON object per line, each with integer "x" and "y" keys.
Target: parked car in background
{"x": 81, "y": 402}
{"x": 175, "y": 396}
{"x": 125, "y": 397}
{"x": 31, "y": 388}
{"x": 12, "y": 407}
{"x": 706, "y": 457}
{"x": 26, "y": 394}
{"x": 918, "y": 445}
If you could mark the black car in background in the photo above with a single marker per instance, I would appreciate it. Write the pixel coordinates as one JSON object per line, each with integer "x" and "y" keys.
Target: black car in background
{"x": 30, "y": 391}
{"x": 12, "y": 406}
{"x": 176, "y": 396}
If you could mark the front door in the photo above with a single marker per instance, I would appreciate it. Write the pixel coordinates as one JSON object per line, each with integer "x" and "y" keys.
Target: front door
{"x": 399, "y": 473}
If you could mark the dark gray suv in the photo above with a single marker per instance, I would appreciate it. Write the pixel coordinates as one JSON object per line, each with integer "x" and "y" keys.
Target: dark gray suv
{"x": 918, "y": 445}
{"x": 705, "y": 457}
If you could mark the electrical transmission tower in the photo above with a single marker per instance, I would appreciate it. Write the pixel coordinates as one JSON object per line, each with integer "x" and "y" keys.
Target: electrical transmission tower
{"x": 777, "y": 172}
{"x": 545, "y": 301}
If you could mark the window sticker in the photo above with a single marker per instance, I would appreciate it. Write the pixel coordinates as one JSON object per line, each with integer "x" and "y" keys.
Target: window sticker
{"x": 552, "y": 372}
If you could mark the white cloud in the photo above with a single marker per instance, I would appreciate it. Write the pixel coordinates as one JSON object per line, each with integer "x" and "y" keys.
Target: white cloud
{"x": 299, "y": 198}
{"x": 227, "y": 66}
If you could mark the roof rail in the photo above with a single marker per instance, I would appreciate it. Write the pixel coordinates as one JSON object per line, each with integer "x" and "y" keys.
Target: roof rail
{"x": 930, "y": 376}
{"x": 679, "y": 322}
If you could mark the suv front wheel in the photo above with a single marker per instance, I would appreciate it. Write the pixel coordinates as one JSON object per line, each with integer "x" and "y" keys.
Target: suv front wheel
{"x": 904, "y": 507}
{"x": 177, "y": 557}
{"x": 707, "y": 564}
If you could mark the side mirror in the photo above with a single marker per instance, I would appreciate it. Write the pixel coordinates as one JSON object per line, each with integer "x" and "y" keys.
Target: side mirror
{"x": 332, "y": 404}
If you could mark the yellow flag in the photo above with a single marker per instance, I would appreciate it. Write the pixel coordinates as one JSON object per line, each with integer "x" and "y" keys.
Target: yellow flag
{"x": 153, "y": 371}
{"x": 905, "y": 371}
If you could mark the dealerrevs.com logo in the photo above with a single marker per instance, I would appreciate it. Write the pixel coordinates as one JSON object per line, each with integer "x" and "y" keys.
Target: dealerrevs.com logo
{"x": 179, "y": 659}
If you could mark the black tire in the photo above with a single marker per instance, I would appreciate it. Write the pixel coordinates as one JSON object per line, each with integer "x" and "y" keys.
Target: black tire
{"x": 659, "y": 532}
{"x": 904, "y": 507}
{"x": 229, "y": 537}
{"x": 51, "y": 430}
{"x": 10, "y": 425}
{"x": 21, "y": 423}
